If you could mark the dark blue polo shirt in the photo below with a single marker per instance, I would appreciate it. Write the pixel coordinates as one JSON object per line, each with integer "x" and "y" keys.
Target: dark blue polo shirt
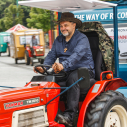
{"x": 78, "y": 52}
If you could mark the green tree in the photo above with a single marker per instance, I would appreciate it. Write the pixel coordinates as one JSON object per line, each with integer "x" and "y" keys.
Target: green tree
{"x": 11, "y": 18}
{"x": 39, "y": 18}
{"x": 4, "y": 4}
{"x": 26, "y": 14}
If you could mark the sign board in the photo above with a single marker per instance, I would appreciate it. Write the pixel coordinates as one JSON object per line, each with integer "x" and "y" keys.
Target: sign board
{"x": 122, "y": 40}
{"x": 103, "y": 15}
{"x": 28, "y": 39}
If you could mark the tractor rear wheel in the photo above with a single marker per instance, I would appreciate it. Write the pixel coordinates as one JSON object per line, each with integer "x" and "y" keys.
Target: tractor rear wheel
{"x": 27, "y": 58}
{"x": 107, "y": 110}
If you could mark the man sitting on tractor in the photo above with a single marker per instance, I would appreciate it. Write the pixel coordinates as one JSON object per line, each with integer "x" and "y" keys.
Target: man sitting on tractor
{"x": 73, "y": 50}
{"x": 33, "y": 43}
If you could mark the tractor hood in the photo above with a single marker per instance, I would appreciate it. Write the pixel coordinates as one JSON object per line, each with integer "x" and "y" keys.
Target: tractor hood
{"x": 11, "y": 99}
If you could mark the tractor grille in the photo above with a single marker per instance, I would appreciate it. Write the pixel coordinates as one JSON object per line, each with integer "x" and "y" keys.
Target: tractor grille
{"x": 33, "y": 117}
{"x": 39, "y": 52}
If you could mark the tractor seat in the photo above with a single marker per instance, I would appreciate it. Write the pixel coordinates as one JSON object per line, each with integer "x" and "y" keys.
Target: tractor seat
{"x": 97, "y": 57}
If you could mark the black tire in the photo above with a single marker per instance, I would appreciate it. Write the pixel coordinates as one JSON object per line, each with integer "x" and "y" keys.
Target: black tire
{"x": 27, "y": 58}
{"x": 16, "y": 60}
{"x": 103, "y": 105}
{"x": 0, "y": 54}
{"x": 31, "y": 61}
{"x": 42, "y": 61}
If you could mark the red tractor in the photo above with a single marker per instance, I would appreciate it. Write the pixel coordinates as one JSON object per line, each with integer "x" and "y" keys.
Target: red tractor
{"x": 38, "y": 53}
{"x": 37, "y": 104}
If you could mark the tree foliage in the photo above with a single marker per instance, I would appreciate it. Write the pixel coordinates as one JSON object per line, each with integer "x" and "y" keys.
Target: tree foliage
{"x": 39, "y": 18}
{"x": 4, "y": 4}
{"x": 12, "y": 16}
{"x": 8, "y": 14}
{"x": 26, "y": 11}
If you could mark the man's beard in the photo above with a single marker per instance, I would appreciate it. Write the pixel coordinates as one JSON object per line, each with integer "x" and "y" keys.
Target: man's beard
{"x": 66, "y": 34}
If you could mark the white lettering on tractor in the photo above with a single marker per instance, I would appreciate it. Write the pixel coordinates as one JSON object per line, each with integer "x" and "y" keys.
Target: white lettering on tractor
{"x": 21, "y": 103}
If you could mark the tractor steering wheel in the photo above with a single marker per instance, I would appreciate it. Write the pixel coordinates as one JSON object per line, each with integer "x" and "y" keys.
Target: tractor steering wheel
{"x": 50, "y": 73}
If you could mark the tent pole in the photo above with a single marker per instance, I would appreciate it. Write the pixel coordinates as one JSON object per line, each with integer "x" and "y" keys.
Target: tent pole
{"x": 59, "y": 16}
{"x": 116, "y": 53}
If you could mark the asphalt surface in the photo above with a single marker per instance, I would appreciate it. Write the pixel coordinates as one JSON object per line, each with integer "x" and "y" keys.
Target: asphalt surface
{"x": 15, "y": 75}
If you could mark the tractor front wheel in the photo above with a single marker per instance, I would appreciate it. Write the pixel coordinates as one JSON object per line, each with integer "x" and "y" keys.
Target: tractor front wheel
{"x": 27, "y": 58}
{"x": 31, "y": 61}
{"x": 107, "y": 110}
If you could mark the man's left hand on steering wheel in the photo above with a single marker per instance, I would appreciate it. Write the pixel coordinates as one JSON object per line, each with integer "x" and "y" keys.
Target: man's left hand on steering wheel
{"x": 40, "y": 69}
{"x": 57, "y": 67}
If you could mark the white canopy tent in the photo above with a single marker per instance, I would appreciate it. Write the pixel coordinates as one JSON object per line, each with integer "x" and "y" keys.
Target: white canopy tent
{"x": 67, "y": 5}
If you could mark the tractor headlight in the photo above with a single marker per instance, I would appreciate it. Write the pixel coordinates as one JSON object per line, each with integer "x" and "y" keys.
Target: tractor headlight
{"x": 37, "y": 49}
{"x": 41, "y": 49}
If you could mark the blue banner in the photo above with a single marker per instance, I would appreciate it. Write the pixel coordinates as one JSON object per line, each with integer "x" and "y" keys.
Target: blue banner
{"x": 102, "y": 15}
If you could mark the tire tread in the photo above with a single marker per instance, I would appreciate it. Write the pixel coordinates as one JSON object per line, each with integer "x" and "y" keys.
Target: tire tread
{"x": 94, "y": 112}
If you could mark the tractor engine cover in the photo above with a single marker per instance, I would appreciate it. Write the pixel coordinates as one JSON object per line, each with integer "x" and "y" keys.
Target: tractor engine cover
{"x": 25, "y": 106}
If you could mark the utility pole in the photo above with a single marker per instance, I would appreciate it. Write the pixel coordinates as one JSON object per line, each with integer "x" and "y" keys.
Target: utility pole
{"x": 17, "y": 7}
{"x": 52, "y": 26}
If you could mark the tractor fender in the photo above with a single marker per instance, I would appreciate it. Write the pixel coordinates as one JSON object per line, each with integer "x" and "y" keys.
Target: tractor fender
{"x": 96, "y": 90}
{"x": 29, "y": 52}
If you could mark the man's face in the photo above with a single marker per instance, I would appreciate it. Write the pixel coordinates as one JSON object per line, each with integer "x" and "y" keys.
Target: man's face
{"x": 67, "y": 28}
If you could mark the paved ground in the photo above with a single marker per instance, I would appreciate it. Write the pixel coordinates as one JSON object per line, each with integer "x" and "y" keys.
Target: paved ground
{"x": 15, "y": 75}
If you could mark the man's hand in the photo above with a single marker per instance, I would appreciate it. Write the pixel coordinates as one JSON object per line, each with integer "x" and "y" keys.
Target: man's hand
{"x": 57, "y": 67}
{"x": 40, "y": 69}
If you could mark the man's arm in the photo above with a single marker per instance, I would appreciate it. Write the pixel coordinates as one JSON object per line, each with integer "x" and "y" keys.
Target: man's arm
{"x": 52, "y": 56}
{"x": 49, "y": 60}
{"x": 79, "y": 51}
